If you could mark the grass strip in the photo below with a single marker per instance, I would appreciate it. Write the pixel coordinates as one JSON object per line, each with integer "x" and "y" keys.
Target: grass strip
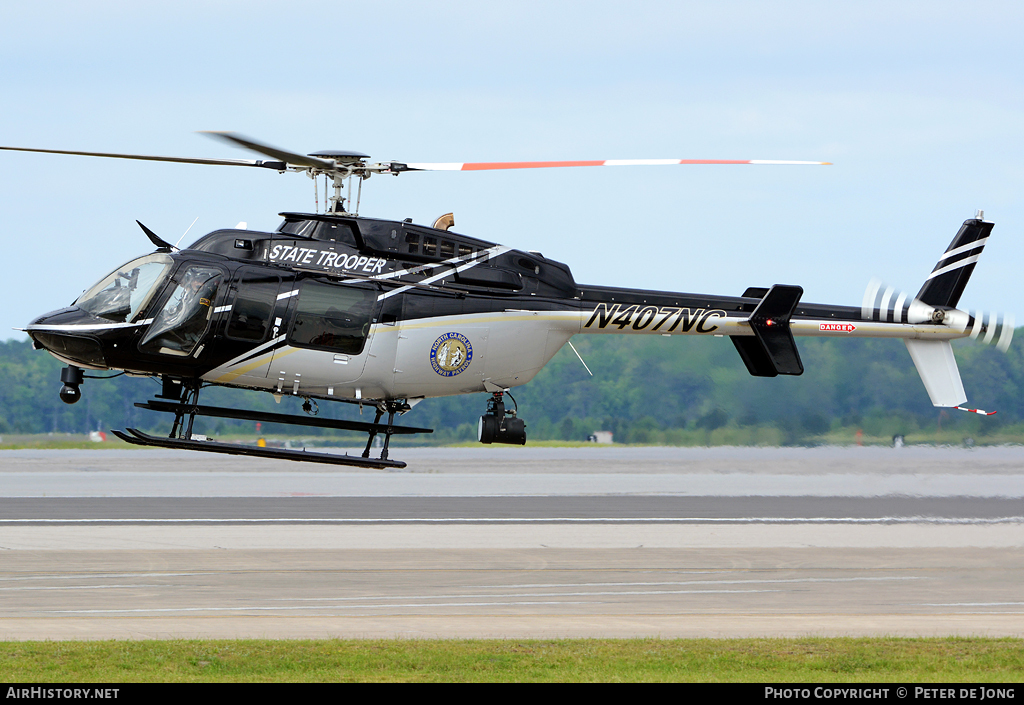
{"x": 811, "y": 660}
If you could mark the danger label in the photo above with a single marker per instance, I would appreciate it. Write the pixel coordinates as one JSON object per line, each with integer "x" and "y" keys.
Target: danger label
{"x": 842, "y": 327}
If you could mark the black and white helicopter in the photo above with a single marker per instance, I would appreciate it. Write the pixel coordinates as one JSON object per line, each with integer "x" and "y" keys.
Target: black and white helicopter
{"x": 333, "y": 306}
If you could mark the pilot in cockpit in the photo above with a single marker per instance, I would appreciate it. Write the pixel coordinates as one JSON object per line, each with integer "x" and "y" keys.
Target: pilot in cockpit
{"x": 201, "y": 288}
{"x": 185, "y": 317}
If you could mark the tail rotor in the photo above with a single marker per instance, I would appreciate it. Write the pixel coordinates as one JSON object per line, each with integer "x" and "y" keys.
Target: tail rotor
{"x": 886, "y": 304}
{"x": 992, "y": 329}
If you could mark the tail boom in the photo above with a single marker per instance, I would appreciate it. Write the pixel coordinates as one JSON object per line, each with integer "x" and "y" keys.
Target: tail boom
{"x": 763, "y": 322}
{"x": 707, "y": 315}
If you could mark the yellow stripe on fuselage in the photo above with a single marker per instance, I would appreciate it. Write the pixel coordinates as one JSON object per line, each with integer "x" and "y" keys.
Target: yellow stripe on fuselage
{"x": 261, "y": 360}
{"x": 437, "y": 321}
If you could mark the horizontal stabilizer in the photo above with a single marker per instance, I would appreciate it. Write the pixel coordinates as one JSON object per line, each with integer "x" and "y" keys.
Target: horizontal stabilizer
{"x": 935, "y": 363}
{"x": 772, "y": 350}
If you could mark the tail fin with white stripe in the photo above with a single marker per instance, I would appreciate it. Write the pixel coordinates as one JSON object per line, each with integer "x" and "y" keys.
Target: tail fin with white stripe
{"x": 949, "y": 278}
{"x": 942, "y": 290}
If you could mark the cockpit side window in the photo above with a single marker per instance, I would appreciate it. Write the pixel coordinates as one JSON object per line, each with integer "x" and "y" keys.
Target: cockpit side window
{"x": 184, "y": 318}
{"x": 332, "y": 317}
{"x": 335, "y": 232}
{"x": 302, "y": 228}
{"x": 124, "y": 293}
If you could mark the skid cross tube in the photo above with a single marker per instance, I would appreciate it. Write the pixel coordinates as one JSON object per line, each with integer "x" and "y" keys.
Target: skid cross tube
{"x": 267, "y": 417}
{"x": 189, "y": 406}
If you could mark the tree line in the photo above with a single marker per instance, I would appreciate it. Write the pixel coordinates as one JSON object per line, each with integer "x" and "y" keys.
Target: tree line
{"x": 643, "y": 389}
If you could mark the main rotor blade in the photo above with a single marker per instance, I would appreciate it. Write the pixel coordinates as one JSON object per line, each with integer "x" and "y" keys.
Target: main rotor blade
{"x": 285, "y": 156}
{"x": 487, "y": 166}
{"x": 151, "y": 158}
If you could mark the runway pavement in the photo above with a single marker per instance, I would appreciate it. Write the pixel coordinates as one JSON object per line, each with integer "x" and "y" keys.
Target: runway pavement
{"x": 514, "y": 543}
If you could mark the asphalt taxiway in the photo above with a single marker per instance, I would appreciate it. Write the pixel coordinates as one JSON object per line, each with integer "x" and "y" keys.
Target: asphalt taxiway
{"x": 514, "y": 543}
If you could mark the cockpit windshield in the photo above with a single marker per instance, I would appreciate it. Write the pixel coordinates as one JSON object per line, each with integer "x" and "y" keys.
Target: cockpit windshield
{"x": 124, "y": 293}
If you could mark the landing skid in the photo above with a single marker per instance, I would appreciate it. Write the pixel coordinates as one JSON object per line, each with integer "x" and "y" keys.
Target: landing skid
{"x": 136, "y": 437}
{"x": 187, "y": 407}
{"x": 267, "y": 417}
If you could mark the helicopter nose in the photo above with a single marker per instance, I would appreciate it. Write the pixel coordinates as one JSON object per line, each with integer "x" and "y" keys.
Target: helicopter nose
{"x": 67, "y": 334}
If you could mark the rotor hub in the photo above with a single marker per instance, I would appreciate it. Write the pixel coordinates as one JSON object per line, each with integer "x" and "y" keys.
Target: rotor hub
{"x": 340, "y": 156}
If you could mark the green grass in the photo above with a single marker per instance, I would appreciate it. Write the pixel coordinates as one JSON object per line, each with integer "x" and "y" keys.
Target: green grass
{"x": 594, "y": 660}
{"x": 58, "y": 441}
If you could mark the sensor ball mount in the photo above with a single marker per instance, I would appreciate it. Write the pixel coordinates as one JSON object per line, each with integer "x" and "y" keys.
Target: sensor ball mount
{"x": 72, "y": 377}
{"x": 500, "y": 425}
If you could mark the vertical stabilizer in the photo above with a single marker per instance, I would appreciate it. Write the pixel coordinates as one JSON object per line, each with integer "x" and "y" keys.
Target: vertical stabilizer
{"x": 935, "y": 363}
{"x": 947, "y": 281}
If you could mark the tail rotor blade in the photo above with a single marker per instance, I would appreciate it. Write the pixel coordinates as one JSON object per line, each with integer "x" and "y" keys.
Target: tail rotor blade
{"x": 869, "y": 305}
{"x": 993, "y": 329}
{"x": 884, "y": 303}
{"x": 1006, "y": 335}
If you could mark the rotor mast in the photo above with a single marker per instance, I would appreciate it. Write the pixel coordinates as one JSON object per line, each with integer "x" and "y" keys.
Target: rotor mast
{"x": 343, "y": 166}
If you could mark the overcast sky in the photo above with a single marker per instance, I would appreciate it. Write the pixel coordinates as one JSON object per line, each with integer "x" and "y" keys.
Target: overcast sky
{"x": 920, "y": 105}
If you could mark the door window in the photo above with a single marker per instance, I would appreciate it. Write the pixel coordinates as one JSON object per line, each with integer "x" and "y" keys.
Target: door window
{"x": 184, "y": 318}
{"x": 332, "y": 317}
{"x": 254, "y": 306}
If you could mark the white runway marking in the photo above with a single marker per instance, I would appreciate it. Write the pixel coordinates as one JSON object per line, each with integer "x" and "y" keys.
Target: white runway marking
{"x": 621, "y": 592}
{"x": 543, "y": 520}
{"x": 999, "y": 612}
{"x": 429, "y": 480}
{"x": 523, "y": 594}
{"x": 968, "y": 604}
{"x": 96, "y": 576}
{"x": 570, "y": 535}
{"x": 78, "y": 587}
{"x": 493, "y": 599}
{"x": 164, "y": 610}
{"x": 717, "y": 582}
{"x": 388, "y": 602}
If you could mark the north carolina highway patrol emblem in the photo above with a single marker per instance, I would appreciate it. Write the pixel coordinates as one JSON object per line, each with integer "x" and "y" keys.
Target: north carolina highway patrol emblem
{"x": 451, "y": 354}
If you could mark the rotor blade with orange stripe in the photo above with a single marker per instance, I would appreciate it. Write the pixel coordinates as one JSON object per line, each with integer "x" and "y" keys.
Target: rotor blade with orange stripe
{"x": 487, "y": 166}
